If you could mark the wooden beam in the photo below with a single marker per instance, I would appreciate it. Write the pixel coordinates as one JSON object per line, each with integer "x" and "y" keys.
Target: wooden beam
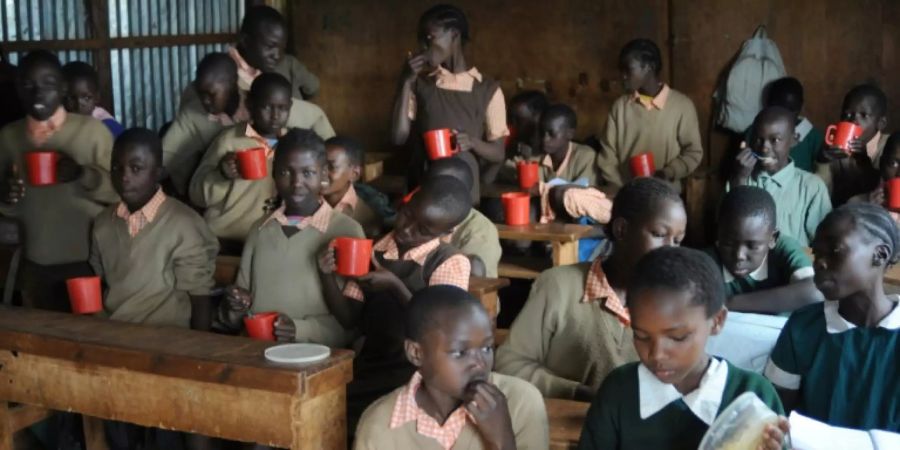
{"x": 99, "y": 26}
{"x": 127, "y": 42}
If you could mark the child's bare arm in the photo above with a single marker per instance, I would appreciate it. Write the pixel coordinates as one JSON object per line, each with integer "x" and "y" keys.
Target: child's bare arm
{"x": 491, "y": 151}
{"x": 401, "y": 121}
{"x": 777, "y": 300}
{"x": 488, "y": 407}
{"x": 346, "y": 310}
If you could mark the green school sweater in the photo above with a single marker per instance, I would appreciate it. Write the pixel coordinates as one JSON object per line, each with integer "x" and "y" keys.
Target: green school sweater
{"x": 149, "y": 278}
{"x": 671, "y": 134}
{"x": 58, "y": 218}
{"x": 477, "y": 235}
{"x": 580, "y": 165}
{"x": 283, "y": 275}
{"x": 614, "y": 421}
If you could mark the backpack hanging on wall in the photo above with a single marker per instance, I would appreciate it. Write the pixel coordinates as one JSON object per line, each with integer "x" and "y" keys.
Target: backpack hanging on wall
{"x": 739, "y": 99}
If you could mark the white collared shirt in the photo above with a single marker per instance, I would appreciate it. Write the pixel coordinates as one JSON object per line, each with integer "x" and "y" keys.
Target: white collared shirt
{"x": 835, "y": 323}
{"x": 704, "y": 401}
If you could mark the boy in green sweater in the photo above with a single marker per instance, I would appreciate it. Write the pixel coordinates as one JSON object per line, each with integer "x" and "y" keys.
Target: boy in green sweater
{"x": 670, "y": 398}
{"x": 787, "y": 92}
{"x": 564, "y": 159}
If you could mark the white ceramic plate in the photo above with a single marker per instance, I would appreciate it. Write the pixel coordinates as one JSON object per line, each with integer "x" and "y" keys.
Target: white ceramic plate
{"x": 297, "y": 353}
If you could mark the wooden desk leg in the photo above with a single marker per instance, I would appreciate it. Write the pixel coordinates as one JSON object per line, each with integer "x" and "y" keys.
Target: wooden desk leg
{"x": 6, "y": 427}
{"x": 320, "y": 422}
{"x": 94, "y": 438}
{"x": 565, "y": 253}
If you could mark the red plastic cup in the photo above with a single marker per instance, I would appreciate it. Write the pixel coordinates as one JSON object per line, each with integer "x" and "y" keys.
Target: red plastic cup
{"x": 439, "y": 144}
{"x": 41, "y": 167}
{"x": 529, "y": 173}
{"x": 642, "y": 165}
{"x": 252, "y": 163}
{"x": 261, "y": 326}
{"x": 516, "y": 206}
{"x": 893, "y": 194}
{"x": 352, "y": 256}
{"x": 841, "y": 134}
{"x": 84, "y": 295}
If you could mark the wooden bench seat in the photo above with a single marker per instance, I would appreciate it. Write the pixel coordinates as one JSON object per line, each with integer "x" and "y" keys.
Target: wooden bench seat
{"x": 566, "y": 419}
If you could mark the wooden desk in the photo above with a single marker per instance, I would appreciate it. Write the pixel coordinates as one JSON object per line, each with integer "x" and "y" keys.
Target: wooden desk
{"x": 171, "y": 378}
{"x": 566, "y": 419}
{"x": 564, "y": 238}
{"x": 374, "y": 165}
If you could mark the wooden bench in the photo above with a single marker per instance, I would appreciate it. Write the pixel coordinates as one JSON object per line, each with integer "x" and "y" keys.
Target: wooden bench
{"x": 374, "y": 165}
{"x": 166, "y": 377}
{"x": 563, "y": 237}
{"x": 566, "y": 419}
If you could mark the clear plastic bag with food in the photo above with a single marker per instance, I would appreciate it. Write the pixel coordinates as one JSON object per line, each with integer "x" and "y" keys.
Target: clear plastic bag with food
{"x": 740, "y": 426}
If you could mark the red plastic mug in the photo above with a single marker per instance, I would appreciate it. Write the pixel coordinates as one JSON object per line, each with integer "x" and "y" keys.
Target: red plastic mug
{"x": 892, "y": 187}
{"x": 642, "y": 165}
{"x": 252, "y": 163}
{"x": 261, "y": 326}
{"x": 352, "y": 256}
{"x": 439, "y": 144}
{"x": 529, "y": 173}
{"x": 841, "y": 134}
{"x": 516, "y": 207}
{"x": 84, "y": 295}
{"x": 41, "y": 167}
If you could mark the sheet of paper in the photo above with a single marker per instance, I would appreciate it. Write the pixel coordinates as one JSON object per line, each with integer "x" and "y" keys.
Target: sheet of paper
{"x": 810, "y": 434}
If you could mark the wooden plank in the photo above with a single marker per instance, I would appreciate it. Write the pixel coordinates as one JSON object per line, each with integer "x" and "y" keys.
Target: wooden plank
{"x": 552, "y": 232}
{"x": 522, "y": 267}
{"x": 227, "y": 269}
{"x": 566, "y": 419}
{"x": 23, "y": 416}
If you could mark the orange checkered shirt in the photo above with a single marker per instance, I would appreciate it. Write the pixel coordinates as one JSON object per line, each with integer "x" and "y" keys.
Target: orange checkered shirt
{"x": 263, "y": 142}
{"x": 139, "y": 219}
{"x": 348, "y": 202}
{"x": 406, "y": 410}
{"x": 597, "y": 288}
{"x": 319, "y": 220}
{"x": 658, "y": 102}
{"x": 454, "y": 271}
{"x": 246, "y": 72}
{"x": 40, "y": 131}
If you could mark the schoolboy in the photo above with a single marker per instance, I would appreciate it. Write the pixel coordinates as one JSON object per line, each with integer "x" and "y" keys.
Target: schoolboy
{"x": 787, "y": 92}
{"x": 453, "y": 399}
{"x": 801, "y": 198}
{"x": 57, "y": 218}
{"x": 83, "y": 95}
{"x": 524, "y": 142}
{"x": 278, "y": 269}
{"x": 669, "y": 399}
{"x": 564, "y": 159}
{"x": 345, "y": 164}
{"x": 650, "y": 117}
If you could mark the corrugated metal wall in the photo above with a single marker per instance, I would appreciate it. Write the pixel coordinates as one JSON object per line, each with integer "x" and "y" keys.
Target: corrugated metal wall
{"x": 35, "y": 20}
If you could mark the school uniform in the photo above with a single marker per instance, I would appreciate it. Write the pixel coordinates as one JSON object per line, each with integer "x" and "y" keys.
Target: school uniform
{"x": 153, "y": 260}
{"x": 477, "y": 235}
{"x": 396, "y": 421}
{"x": 785, "y": 264}
{"x": 665, "y": 126}
{"x": 360, "y": 211}
{"x": 848, "y": 177}
{"x": 115, "y": 128}
{"x": 807, "y": 148}
{"x": 578, "y": 164}
{"x": 846, "y": 376}
{"x": 573, "y": 330}
{"x": 57, "y": 219}
{"x": 635, "y": 410}
{"x": 801, "y": 200}
{"x": 282, "y": 272}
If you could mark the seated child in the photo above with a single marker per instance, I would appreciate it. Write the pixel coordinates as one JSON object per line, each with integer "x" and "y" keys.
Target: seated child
{"x": 564, "y": 159}
{"x": 787, "y": 92}
{"x": 83, "y": 95}
{"x": 866, "y": 106}
{"x": 837, "y": 361}
{"x": 345, "y": 163}
{"x": 278, "y": 267}
{"x": 670, "y": 398}
{"x": 801, "y": 198}
{"x": 524, "y": 142}
{"x": 453, "y": 399}
{"x": 404, "y": 262}
{"x": 57, "y": 218}
{"x": 476, "y": 236}
{"x": 573, "y": 329}
{"x": 652, "y": 117}
{"x": 764, "y": 271}
{"x": 155, "y": 254}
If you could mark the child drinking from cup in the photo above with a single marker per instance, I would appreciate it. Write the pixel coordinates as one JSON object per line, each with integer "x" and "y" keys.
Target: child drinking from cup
{"x": 83, "y": 95}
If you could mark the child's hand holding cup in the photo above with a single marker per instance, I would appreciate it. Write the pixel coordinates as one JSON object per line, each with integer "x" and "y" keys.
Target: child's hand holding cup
{"x": 228, "y": 166}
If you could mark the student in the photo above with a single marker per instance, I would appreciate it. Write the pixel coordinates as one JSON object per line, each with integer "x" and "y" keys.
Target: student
{"x": 787, "y": 93}
{"x": 345, "y": 164}
{"x": 764, "y": 271}
{"x": 573, "y": 329}
{"x": 476, "y": 236}
{"x": 404, "y": 262}
{"x": 523, "y": 144}
{"x": 866, "y": 106}
{"x": 670, "y": 398}
{"x": 650, "y": 117}
{"x": 439, "y": 90}
{"x": 453, "y": 399}
{"x": 801, "y": 198}
{"x": 564, "y": 159}
{"x": 56, "y": 218}
{"x": 837, "y": 362}
{"x": 278, "y": 266}
{"x": 888, "y": 167}
{"x": 83, "y": 95}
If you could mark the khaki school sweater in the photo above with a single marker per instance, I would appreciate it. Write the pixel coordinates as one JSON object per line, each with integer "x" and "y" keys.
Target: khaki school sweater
{"x": 477, "y": 235}
{"x": 526, "y": 410}
{"x": 151, "y": 276}
{"x": 192, "y": 132}
{"x": 282, "y": 273}
{"x": 581, "y": 163}
{"x": 672, "y": 134}
{"x": 557, "y": 342}
{"x": 57, "y": 218}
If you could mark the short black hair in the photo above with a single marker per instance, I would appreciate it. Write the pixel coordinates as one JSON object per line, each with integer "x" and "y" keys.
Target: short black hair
{"x": 453, "y": 167}
{"x": 141, "y": 136}
{"x": 643, "y": 50}
{"x": 680, "y": 269}
{"x": 218, "y": 63}
{"x": 747, "y": 201}
{"x": 867, "y": 90}
{"x": 300, "y": 139}
{"x": 447, "y": 193}
{"x": 36, "y": 57}
{"x": 80, "y": 70}
{"x": 872, "y": 219}
{"x": 772, "y": 114}
{"x": 535, "y": 101}
{"x": 265, "y": 83}
{"x": 786, "y": 92}
{"x": 260, "y": 17}
{"x": 641, "y": 197}
{"x": 427, "y": 306}
{"x": 447, "y": 16}
{"x": 352, "y": 148}
{"x": 560, "y": 110}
